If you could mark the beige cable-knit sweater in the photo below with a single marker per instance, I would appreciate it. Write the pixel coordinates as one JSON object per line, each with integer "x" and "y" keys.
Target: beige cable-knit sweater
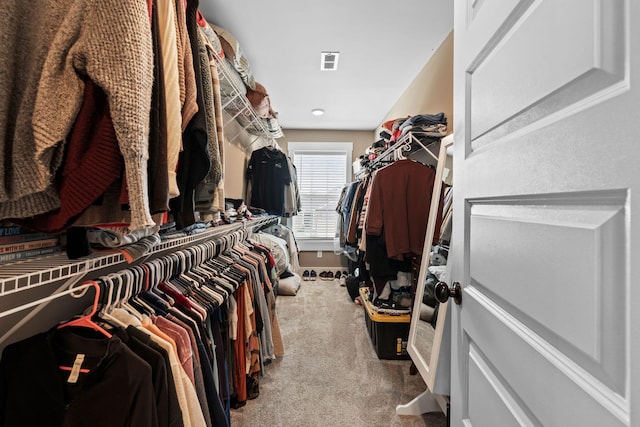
{"x": 169, "y": 42}
{"x": 44, "y": 52}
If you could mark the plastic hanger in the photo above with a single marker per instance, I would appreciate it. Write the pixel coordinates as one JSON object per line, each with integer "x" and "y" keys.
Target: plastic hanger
{"x": 128, "y": 279}
{"x": 86, "y": 321}
{"x": 153, "y": 278}
{"x": 158, "y": 271}
{"x": 105, "y": 312}
{"x": 107, "y": 294}
{"x": 153, "y": 272}
{"x": 194, "y": 278}
{"x": 139, "y": 287}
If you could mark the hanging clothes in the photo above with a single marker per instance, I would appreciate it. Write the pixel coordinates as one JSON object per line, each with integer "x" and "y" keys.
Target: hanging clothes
{"x": 346, "y": 207}
{"x": 396, "y": 219}
{"x": 117, "y": 55}
{"x": 399, "y": 206}
{"x": 180, "y": 324}
{"x": 292, "y": 204}
{"x": 194, "y": 161}
{"x": 268, "y": 174}
{"x": 34, "y": 391}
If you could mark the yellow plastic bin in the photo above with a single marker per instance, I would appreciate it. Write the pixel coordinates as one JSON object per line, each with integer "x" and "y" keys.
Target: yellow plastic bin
{"x": 389, "y": 333}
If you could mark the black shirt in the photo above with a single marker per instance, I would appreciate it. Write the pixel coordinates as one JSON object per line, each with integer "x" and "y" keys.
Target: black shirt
{"x": 268, "y": 172}
{"x": 34, "y": 391}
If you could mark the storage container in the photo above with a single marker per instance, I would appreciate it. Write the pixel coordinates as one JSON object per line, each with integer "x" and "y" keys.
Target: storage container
{"x": 389, "y": 333}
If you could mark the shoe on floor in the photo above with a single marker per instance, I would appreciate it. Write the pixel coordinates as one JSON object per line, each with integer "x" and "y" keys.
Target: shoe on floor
{"x": 306, "y": 275}
{"x": 338, "y": 275}
{"x": 326, "y": 275}
{"x": 343, "y": 280}
{"x": 313, "y": 275}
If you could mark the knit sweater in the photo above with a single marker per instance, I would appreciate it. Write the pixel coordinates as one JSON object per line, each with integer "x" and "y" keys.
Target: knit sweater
{"x": 186, "y": 73}
{"x": 43, "y": 52}
{"x": 215, "y": 170}
{"x": 167, "y": 33}
{"x": 210, "y": 192}
{"x": 92, "y": 163}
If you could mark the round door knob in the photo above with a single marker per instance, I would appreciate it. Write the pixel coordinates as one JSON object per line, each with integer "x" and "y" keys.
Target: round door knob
{"x": 444, "y": 292}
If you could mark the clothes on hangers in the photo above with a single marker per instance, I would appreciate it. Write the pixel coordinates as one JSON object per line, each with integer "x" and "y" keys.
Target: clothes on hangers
{"x": 269, "y": 179}
{"x": 196, "y": 362}
{"x": 347, "y": 203}
{"x": 384, "y": 215}
{"x": 117, "y": 55}
{"x": 292, "y": 203}
{"x": 396, "y": 218}
{"x": 117, "y": 391}
{"x": 399, "y": 207}
{"x": 156, "y": 62}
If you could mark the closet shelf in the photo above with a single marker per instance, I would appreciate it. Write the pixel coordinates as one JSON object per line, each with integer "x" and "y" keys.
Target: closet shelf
{"x": 35, "y": 272}
{"x": 241, "y": 122}
{"x": 412, "y": 138}
{"x": 406, "y": 144}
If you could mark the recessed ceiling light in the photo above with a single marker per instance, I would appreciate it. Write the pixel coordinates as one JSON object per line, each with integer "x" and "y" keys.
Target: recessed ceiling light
{"x": 317, "y": 111}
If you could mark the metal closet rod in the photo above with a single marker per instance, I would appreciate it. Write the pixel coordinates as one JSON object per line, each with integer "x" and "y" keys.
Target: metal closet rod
{"x": 182, "y": 260}
{"x": 405, "y": 144}
{"x": 77, "y": 291}
{"x": 40, "y": 271}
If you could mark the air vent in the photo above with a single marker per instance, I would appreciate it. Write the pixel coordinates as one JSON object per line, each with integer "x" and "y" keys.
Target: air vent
{"x": 329, "y": 61}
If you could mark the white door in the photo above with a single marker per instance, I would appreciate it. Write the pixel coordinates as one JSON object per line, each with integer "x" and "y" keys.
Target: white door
{"x": 546, "y": 227}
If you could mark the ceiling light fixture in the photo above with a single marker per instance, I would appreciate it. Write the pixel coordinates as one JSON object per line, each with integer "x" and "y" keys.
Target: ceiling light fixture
{"x": 317, "y": 111}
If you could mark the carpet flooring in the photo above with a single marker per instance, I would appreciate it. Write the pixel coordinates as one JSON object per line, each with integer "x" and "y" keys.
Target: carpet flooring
{"x": 330, "y": 374}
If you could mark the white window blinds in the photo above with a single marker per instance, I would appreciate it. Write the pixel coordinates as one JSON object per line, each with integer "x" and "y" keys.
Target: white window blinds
{"x": 322, "y": 170}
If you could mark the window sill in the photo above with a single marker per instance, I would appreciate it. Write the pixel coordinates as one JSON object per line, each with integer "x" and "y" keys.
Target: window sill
{"x": 315, "y": 244}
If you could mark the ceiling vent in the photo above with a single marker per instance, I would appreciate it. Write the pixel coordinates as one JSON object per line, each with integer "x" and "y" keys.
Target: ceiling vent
{"x": 329, "y": 61}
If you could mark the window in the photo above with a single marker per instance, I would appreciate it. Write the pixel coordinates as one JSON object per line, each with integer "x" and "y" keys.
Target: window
{"x": 322, "y": 169}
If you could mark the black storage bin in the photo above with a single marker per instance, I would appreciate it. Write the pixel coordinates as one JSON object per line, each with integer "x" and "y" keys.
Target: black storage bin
{"x": 388, "y": 333}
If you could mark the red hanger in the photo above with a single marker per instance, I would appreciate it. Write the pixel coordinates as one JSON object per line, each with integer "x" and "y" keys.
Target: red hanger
{"x": 85, "y": 321}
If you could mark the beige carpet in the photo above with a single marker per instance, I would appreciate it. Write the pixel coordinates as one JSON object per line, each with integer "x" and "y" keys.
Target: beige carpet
{"x": 330, "y": 374}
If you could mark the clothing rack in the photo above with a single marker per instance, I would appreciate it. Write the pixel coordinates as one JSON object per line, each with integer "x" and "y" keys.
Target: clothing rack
{"x": 36, "y": 272}
{"x": 72, "y": 275}
{"x": 181, "y": 295}
{"x": 192, "y": 256}
{"x": 397, "y": 150}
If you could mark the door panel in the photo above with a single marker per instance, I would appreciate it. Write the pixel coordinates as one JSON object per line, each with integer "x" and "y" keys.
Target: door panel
{"x": 573, "y": 246}
{"x": 541, "y": 380}
{"x": 546, "y": 156}
{"x": 509, "y": 90}
{"x": 493, "y": 392}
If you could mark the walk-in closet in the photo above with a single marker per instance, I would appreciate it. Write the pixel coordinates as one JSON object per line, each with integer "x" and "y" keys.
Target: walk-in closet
{"x": 361, "y": 213}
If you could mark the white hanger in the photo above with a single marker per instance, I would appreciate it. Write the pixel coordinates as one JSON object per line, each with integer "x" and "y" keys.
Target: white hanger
{"x": 138, "y": 287}
{"x": 105, "y": 313}
{"x": 128, "y": 292}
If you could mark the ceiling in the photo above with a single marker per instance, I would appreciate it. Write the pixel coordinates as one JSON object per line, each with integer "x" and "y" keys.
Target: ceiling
{"x": 383, "y": 45}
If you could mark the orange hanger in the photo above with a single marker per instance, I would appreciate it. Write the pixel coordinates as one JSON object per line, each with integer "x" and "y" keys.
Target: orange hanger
{"x": 85, "y": 321}
{"x": 69, "y": 368}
